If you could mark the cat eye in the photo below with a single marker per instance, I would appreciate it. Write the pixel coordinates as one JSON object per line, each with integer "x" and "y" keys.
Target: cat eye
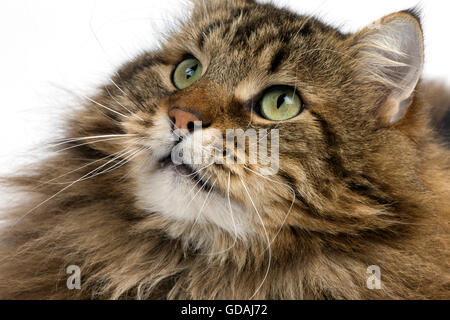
{"x": 281, "y": 103}
{"x": 187, "y": 73}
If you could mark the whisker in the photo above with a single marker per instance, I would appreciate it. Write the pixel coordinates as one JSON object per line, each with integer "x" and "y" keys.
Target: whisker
{"x": 103, "y": 106}
{"x": 106, "y": 170}
{"x": 196, "y": 172}
{"x": 119, "y": 164}
{"x": 195, "y": 185}
{"x": 110, "y": 62}
{"x": 290, "y": 208}
{"x": 267, "y": 238}
{"x": 200, "y": 189}
{"x": 64, "y": 141}
{"x": 204, "y": 204}
{"x": 232, "y": 219}
{"x": 120, "y": 104}
{"x": 76, "y": 170}
{"x": 56, "y": 194}
{"x": 89, "y": 143}
{"x": 138, "y": 104}
{"x": 117, "y": 157}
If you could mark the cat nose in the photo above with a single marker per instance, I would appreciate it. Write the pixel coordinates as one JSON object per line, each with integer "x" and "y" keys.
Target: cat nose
{"x": 183, "y": 119}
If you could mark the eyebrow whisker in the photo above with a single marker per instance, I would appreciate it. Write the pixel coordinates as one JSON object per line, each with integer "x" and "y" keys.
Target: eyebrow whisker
{"x": 103, "y": 106}
{"x": 120, "y": 104}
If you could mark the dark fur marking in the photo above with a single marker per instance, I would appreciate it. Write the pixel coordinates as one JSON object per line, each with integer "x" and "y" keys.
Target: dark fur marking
{"x": 369, "y": 193}
{"x": 306, "y": 30}
{"x": 291, "y": 182}
{"x": 140, "y": 64}
{"x": 334, "y": 160}
{"x": 208, "y": 30}
{"x": 278, "y": 59}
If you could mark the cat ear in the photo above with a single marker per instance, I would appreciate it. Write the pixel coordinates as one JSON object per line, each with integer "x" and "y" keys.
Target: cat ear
{"x": 390, "y": 58}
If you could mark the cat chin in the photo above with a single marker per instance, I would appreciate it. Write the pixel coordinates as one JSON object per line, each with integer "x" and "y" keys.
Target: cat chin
{"x": 175, "y": 194}
{"x": 176, "y": 197}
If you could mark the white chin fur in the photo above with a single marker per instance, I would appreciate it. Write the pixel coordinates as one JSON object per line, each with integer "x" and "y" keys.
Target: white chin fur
{"x": 171, "y": 195}
{"x": 176, "y": 197}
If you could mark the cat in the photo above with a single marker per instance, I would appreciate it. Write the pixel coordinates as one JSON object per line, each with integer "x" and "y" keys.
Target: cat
{"x": 357, "y": 208}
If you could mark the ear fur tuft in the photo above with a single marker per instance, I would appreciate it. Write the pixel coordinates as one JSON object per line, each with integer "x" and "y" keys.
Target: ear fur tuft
{"x": 391, "y": 55}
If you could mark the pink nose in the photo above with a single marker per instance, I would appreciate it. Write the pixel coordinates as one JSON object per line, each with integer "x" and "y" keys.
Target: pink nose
{"x": 183, "y": 120}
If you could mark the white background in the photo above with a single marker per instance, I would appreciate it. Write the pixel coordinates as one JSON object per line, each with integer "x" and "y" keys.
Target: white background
{"x": 51, "y": 45}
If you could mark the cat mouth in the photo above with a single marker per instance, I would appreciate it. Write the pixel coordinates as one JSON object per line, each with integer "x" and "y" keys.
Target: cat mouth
{"x": 186, "y": 171}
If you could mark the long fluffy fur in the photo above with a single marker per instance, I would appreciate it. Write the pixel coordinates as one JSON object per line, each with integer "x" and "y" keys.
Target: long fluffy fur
{"x": 350, "y": 193}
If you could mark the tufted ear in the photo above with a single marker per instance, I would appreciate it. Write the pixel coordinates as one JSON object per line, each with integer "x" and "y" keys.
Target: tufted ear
{"x": 390, "y": 57}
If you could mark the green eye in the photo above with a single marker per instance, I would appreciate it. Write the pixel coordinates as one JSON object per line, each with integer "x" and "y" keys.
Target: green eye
{"x": 187, "y": 72}
{"x": 281, "y": 103}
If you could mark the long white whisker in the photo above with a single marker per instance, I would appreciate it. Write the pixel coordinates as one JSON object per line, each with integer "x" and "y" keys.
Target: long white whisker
{"x": 85, "y": 166}
{"x": 195, "y": 185}
{"x": 198, "y": 171}
{"x": 137, "y": 104}
{"x": 120, "y": 104}
{"x": 267, "y": 238}
{"x": 119, "y": 88}
{"x": 196, "y": 194}
{"x": 105, "y": 107}
{"x": 64, "y": 141}
{"x": 116, "y": 156}
{"x": 119, "y": 164}
{"x": 96, "y": 173}
{"x": 232, "y": 219}
{"x": 88, "y": 143}
{"x": 204, "y": 204}
{"x": 56, "y": 194}
{"x": 290, "y": 208}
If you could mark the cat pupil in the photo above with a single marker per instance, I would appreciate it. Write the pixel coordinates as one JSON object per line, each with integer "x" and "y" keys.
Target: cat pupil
{"x": 281, "y": 100}
{"x": 191, "y": 71}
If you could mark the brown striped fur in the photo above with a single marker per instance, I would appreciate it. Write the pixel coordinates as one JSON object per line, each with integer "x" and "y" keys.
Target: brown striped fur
{"x": 363, "y": 193}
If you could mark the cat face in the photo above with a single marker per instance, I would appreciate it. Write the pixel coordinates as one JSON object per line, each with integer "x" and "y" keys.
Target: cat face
{"x": 329, "y": 99}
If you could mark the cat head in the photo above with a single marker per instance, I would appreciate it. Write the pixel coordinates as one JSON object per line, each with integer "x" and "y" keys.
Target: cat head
{"x": 337, "y": 113}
